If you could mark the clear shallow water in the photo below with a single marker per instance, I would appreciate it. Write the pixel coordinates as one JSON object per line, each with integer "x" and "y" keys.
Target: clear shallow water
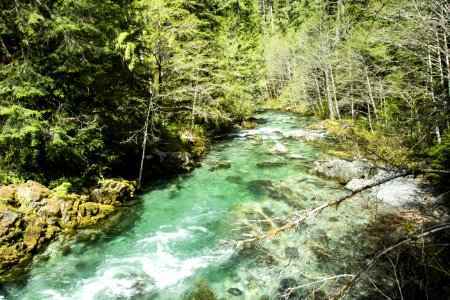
{"x": 166, "y": 246}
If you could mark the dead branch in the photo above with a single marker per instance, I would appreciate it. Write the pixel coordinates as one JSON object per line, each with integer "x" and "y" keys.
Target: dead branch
{"x": 363, "y": 271}
{"x": 322, "y": 280}
{"x": 309, "y": 214}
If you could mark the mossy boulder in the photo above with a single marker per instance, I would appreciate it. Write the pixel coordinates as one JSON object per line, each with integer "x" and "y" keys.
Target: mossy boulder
{"x": 31, "y": 195}
{"x": 8, "y": 217}
{"x": 90, "y": 213}
{"x": 32, "y": 235}
{"x": 113, "y": 192}
{"x": 7, "y": 194}
{"x": 31, "y": 215}
{"x": 248, "y": 124}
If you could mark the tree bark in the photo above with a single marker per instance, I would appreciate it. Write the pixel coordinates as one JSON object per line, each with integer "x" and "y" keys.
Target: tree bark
{"x": 147, "y": 121}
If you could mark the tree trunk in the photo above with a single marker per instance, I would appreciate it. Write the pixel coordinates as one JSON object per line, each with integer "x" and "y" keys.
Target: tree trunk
{"x": 319, "y": 96}
{"x": 193, "y": 107}
{"x": 372, "y": 100}
{"x": 433, "y": 96}
{"x": 370, "y": 117}
{"x": 334, "y": 93}
{"x": 147, "y": 121}
{"x": 329, "y": 98}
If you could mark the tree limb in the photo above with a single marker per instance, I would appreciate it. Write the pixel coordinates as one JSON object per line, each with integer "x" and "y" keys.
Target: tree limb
{"x": 311, "y": 213}
{"x": 358, "y": 276}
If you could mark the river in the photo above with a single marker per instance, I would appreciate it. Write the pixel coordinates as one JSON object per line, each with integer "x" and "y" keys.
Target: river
{"x": 166, "y": 247}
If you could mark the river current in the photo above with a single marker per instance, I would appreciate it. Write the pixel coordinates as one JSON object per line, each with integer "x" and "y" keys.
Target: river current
{"x": 167, "y": 246}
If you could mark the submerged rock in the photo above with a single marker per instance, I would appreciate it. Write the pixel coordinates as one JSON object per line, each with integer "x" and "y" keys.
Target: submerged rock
{"x": 260, "y": 187}
{"x": 270, "y": 164}
{"x": 234, "y": 179}
{"x": 285, "y": 285}
{"x": 201, "y": 292}
{"x": 279, "y": 148}
{"x": 291, "y": 252}
{"x": 254, "y": 137}
{"x": 220, "y": 165}
{"x": 235, "y": 292}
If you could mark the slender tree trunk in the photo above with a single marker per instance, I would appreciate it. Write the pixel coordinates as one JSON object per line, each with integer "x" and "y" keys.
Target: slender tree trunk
{"x": 147, "y": 121}
{"x": 194, "y": 107}
{"x": 5, "y": 49}
{"x": 329, "y": 97}
{"x": 372, "y": 100}
{"x": 383, "y": 103}
{"x": 272, "y": 22}
{"x": 319, "y": 96}
{"x": 334, "y": 93}
{"x": 441, "y": 68}
{"x": 447, "y": 62}
{"x": 352, "y": 101}
{"x": 369, "y": 117}
{"x": 264, "y": 18}
{"x": 433, "y": 96}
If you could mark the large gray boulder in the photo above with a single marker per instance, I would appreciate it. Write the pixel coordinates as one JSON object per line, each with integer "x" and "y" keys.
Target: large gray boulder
{"x": 398, "y": 192}
{"x": 342, "y": 170}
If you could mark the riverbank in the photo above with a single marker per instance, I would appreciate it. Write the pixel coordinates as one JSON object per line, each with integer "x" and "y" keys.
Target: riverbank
{"x": 31, "y": 216}
{"x": 250, "y": 183}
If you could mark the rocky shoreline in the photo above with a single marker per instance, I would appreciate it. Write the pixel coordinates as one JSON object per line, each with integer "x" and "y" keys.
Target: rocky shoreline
{"x": 402, "y": 193}
{"x": 31, "y": 216}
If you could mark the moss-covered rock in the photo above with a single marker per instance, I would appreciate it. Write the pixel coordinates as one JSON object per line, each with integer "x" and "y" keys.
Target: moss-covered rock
{"x": 31, "y": 215}
{"x": 31, "y": 195}
{"x": 201, "y": 292}
{"x": 8, "y": 217}
{"x": 7, "y": 194}
{"x": 113, "y": 192}
{"x": 32, "y": 235}
{"x": 248, "y": 124}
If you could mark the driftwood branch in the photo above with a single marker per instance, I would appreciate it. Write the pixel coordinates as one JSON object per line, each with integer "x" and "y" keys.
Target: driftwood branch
{"x": 303, "y": 216}
{"x": 380, "y": 253}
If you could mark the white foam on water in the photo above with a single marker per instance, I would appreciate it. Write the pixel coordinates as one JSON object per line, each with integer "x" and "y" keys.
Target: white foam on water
{"x": 165, "y": 237}
{"x": 263, "y": 130}
{"x": 198, "y": 228}
{"x": 162, "y": 268}
{"x": 52, "y": 294}
{"x": 167, "y": 269}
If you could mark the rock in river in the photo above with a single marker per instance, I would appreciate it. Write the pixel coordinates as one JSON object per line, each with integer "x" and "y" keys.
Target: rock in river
{"x": 279, "y": 148}
{"x": 342, "y": 170}
{"x": 235, "y": 292}
{"x": 260, "y": 187}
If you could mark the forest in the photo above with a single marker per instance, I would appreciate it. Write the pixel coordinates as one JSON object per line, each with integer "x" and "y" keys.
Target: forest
{"x": 85, "y": 86}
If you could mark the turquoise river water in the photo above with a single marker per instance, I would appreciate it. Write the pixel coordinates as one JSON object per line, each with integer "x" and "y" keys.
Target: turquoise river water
{"x": 167, "y": 246}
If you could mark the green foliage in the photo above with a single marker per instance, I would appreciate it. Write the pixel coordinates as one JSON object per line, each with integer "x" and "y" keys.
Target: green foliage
{"x": 63, "y": 189}
{"x": 440, "y": 153}
{"x": 78, "y": 76}
{"x": 21, "y": 136}
{"x": 379, "y": 63}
